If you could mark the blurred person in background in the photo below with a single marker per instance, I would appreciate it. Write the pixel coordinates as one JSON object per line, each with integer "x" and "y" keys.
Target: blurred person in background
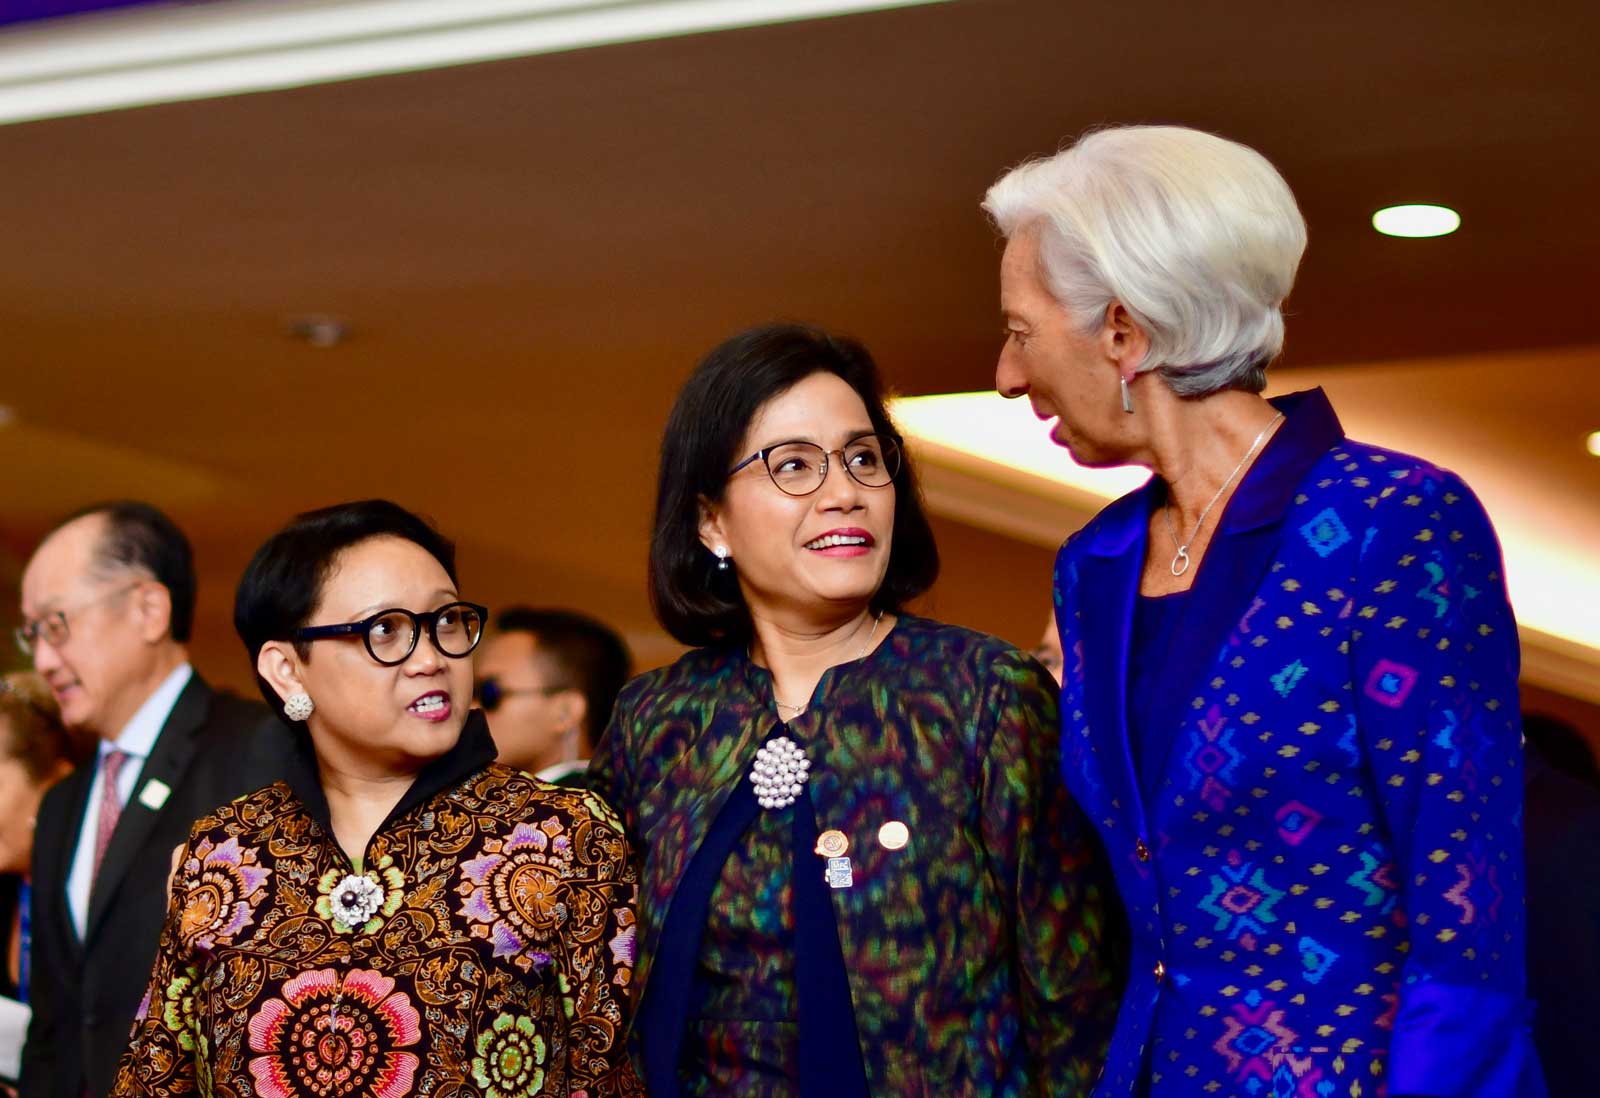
{"x": 548, "y": 679}
{"x": 400, "y": 914}
{"x": 1562, "y": 831}
{"x": 1048, "y": 650}
{"x": 861, "y": 873}
{"x": 107, "y": 606}
{"x": 36, "y": 751}
{"x": 1291, "y": 696}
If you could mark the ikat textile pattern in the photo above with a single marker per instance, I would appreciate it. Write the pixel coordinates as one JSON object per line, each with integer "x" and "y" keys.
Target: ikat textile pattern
{"x": 486, "y": 949}
{"x": 981, "y": 956}
{"x": 1327, "y": 890}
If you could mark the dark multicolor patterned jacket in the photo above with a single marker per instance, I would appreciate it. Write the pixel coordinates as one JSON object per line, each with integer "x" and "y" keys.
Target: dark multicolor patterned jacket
{"x": 484, "y": 949}
{"x": 1326, "y": 891}
{"x": 977, "y": 954}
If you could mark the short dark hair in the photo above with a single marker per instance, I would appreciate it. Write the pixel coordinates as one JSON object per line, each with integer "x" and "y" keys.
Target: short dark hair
{"x": 282, "y": 584}
{"x": 140, "y": 536}
{"x": 694, "y": 602}
{"x": 590, "y": 655}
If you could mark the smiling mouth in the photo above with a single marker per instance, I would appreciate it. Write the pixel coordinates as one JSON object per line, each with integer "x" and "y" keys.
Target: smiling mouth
{"x": 835, "y": 541}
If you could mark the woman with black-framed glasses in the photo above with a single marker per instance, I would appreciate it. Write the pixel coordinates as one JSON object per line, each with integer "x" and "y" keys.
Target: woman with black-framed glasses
{"x": 860, "y": 871}
{"x": 401, "y": 914}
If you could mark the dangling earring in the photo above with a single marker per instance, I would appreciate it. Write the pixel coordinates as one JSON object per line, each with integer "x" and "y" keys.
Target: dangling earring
{"x": 1127, "y": 398}
{"x": 722, "y": 558}
{"x": 298, "y": 706}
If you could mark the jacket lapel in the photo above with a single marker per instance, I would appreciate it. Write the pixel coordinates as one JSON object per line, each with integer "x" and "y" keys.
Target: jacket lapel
{"x": 76, "y": 787}
{"x": 173, "y": 752}
{"x": 1249, "y": 532}
{"x": 1229, "y": 578}
{"x": 701, "y": 780}
{"x": 1108, "y": 583}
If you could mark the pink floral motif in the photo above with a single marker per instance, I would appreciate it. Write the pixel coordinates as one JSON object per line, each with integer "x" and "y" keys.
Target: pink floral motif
{"x": 1254, "y": 1038}
{"x": 222, "y": 886}
{"x": 517, "y": 890}
{"x": 335, "y": 1039}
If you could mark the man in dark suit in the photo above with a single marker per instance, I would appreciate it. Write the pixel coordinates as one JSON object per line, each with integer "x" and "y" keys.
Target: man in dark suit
{"x": 548, "y": 680}
{"x": 107, "y": 604}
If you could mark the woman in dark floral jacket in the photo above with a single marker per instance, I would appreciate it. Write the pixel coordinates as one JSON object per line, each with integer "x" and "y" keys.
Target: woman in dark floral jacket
{"x": 861, "y": 873}
{"x": 401, "y": 914}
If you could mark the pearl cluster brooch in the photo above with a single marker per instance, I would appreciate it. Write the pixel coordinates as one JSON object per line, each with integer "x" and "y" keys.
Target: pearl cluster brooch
{"x": 356, "y": 900}
{"x": 779, "y": 773}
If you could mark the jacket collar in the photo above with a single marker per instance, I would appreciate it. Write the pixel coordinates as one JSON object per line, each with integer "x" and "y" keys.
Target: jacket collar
{"x": 473, "y": 750}
{"x": 1310, "y": 429}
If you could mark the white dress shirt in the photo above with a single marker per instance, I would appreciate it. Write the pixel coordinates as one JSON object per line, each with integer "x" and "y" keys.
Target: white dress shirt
{"x": 136, "y": 740}
{"x": 560, "y": 770}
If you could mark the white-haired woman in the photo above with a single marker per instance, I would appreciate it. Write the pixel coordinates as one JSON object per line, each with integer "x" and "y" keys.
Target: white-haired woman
{"x": 1290, "y": 697}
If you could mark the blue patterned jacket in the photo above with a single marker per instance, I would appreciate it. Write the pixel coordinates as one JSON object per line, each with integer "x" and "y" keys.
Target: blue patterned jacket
{"x": 1326, "y": 887}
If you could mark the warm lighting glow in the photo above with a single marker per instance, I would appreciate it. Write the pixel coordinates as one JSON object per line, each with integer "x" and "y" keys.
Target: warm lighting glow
{"x": 1594, "y": 444}
{"x": 168, "y": 54}
{"x": 1416, "y": 221}
{"x": 987, "y": 427}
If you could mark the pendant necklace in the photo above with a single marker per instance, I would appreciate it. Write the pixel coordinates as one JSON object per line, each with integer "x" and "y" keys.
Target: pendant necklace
{"x": 1180, "y": 559}
{"x": 780, "y": 769}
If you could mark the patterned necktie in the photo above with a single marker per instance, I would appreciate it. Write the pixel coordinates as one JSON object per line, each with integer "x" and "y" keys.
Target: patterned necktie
{"x": 110, "y": 804}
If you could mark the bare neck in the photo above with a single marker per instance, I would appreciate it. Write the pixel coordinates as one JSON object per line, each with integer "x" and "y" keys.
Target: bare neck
{"x": 360, "y": 798}
{"x": 167, "y": 659}
{"x": 1200, "y": 446}
{"x": 798, "y": 652}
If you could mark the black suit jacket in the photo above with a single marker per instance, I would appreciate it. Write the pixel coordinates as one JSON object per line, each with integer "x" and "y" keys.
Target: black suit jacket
{"x": 84, "y": 994}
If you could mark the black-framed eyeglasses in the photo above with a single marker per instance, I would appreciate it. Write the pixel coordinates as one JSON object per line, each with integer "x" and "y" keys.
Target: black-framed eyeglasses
{"x": 391, "y": 635}
{"x": 800, "y": 468}
{"x": 53, "y": 626}
{"x": 490, "y": 694}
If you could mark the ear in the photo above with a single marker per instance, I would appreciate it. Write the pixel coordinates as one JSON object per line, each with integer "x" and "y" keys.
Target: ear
{"x": 711, "y": 535}
{"x": 153, "y": 603}
{"x": 571, "y": 707}
{"x": 280, "y": 666}
{"x": 1123, "y": 340}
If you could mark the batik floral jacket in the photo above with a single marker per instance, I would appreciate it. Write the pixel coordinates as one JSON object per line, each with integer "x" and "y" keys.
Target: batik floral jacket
{"x": 484, "y": 946}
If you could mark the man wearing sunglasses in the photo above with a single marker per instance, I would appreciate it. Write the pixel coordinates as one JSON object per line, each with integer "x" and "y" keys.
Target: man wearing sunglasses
{"x": 107, "y": 605}
{"x": 547, "y": 680}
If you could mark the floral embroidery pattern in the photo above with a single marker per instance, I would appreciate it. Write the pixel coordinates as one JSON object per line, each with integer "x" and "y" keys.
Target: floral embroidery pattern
{"x": 350, "y": 901}
{"x": 510, "y": 1058}
{"x": 329, "y": 1038}
{"x": 223, "y": 884}
{"x": 515, "y": 891}
{"x": 372, "y": 985}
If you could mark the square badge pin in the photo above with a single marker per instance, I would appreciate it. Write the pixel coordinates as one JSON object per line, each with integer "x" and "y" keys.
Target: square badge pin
{"x": 154, "y": 794}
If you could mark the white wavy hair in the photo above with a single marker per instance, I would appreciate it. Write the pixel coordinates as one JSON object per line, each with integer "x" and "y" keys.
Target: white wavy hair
{"x": 1197, "y": 236}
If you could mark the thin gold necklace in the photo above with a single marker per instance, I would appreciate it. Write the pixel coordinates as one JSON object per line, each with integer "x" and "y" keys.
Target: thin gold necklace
{"x": 796, "y": 710}
{"x": 1180, "y": 559}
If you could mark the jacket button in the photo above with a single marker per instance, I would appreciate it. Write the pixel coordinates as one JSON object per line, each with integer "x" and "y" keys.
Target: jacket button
{"x": 1161, "y": 971}
{"x": 1141, "y": 850}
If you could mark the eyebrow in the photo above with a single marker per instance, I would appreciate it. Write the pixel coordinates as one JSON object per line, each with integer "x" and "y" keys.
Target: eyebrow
{"x": 443, "y": 597}
{"x": 846, "y": 436}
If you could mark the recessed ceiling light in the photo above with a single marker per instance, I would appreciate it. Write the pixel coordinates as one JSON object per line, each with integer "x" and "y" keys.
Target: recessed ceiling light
{"x": 1416, "y": 220}
{"x": 1594, "y": 444}
{"x": 318, "y": 330}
